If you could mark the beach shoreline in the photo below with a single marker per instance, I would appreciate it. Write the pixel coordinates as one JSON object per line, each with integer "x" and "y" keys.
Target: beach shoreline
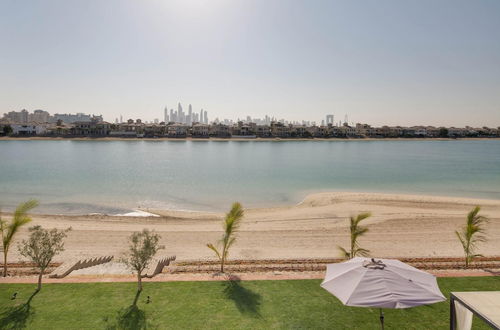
{"x": 401, "y": 225}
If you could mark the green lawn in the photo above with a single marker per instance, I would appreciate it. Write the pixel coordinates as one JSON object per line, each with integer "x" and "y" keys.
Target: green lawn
{"x": 295, "y": 304}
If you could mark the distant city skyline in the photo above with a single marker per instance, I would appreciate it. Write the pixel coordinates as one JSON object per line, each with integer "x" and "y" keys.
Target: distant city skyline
{"x": 381, "y": 62}
{"x": 179, "y": 116}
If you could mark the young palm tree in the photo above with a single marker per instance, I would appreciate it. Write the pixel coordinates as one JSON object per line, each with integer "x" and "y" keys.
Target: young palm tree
{"x": 471, "y": 234}
{"x": 231, "y": 224}
{"x": 356, "y": 232}
{"x": 9, "y": 230}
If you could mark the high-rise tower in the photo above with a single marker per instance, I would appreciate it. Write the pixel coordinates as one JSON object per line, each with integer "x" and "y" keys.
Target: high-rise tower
{"x": 329, "y": 119}
{"x": 189, "y": 120}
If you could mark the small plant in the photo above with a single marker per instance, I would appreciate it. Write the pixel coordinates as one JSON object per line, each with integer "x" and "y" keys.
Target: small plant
{"x": 9, "y": 230}
{"x": 471, "y": 234}
{"x": 231, "y": 224}
{"x": 41, "y": 247}
{"x": 356, "y": 232}
{"x": 142, "y": 248}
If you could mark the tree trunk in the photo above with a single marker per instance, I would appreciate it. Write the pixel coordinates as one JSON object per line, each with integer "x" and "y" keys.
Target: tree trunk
{"x": 222, "y": 261}
{"x": 39, "y": 287}
{"x": 139, "y": 289}
{"x": 4, "y": 263}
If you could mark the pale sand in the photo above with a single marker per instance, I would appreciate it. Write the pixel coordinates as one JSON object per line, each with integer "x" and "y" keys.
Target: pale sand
{"x": 401, "y": 226}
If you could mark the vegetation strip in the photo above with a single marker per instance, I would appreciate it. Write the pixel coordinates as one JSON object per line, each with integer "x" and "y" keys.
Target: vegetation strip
{"x": 212, "y": 305}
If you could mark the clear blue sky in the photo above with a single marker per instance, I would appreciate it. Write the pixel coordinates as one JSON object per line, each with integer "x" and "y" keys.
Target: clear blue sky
{"x": 380, "y": 61}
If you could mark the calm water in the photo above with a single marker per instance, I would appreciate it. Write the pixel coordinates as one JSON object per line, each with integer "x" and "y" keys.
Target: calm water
{"x": 117, "y": 176}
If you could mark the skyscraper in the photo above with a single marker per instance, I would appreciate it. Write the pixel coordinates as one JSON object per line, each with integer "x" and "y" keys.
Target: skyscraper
{"x": 329, "y": 119}
{"x": 165, "y": 115}
{"x": 180, "y": 115}
{"x": 172, "y": 116}
{"x": 201, "y": 116}
{"x": 205, "y": 117}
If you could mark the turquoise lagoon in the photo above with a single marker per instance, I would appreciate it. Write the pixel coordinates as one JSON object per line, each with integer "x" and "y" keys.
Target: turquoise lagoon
{"x": 79, "y": 177}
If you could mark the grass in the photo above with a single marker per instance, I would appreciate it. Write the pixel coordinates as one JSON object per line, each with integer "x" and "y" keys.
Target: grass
{"x": 294, "y": 304}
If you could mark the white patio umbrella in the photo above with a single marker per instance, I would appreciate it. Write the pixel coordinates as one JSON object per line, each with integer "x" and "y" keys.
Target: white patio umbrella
{"x": 382, "y": 283}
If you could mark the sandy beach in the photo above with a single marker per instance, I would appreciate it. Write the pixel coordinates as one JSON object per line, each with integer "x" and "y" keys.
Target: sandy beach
{"x": 401, "y": 226}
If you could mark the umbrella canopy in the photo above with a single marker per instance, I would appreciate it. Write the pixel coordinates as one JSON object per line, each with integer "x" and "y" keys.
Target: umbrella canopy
{"x": 382, "y": 283}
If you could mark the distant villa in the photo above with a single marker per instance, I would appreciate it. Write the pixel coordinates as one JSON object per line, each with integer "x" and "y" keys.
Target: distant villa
{"x": 40, "y": 123}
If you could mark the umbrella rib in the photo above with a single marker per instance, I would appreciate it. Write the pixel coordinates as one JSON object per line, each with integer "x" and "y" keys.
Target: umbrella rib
{"x": 415, "y": 269}
{"x": 337, "y": 275}
{"x": 415, "y": 283}
{"x": 354, "y": 289}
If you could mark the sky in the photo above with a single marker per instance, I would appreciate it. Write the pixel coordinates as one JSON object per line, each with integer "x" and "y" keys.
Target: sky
{"x": 395, "y": 62}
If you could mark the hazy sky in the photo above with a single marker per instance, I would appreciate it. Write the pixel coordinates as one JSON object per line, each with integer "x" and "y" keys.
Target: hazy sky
{"x": 379, "y": 61}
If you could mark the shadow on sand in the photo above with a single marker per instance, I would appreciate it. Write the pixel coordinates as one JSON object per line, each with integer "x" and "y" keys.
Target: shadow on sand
{"x": 247, "y": 301}
{"x": 17, "y": 317}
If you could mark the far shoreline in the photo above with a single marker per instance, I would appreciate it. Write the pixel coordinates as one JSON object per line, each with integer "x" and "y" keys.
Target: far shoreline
{"x": 47, "y": 138}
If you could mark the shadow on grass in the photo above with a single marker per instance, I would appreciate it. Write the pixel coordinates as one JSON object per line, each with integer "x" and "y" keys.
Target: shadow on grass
{"x": 17, "y": 317}
{"x": 132, "y": 318}
{"x": 129, "y": 318}
{"x": 247, "y": 301}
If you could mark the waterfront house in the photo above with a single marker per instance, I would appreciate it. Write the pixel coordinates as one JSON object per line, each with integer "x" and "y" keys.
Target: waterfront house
{"x": 364, "y": 130}
{"x": 91, "y": 128}
{"x": 457, "y": 132}
{"x": 28, "y": 129}
{"x": 280, "y": 130}
{"x": 176, "y": 130}
{"x": 263, "y": 131}
{"x": 347, "y": 131}
{"x": 242, "y": 130}
{"x": 219, "y": 130}
{"x": 323, "y": 131}
{"x": 59, "y": 129}
{"x": 128, "y": 129}
{"x": 154, "y": 130}
{"x": 311, "y": 131}
{"x": 200, "y": 130}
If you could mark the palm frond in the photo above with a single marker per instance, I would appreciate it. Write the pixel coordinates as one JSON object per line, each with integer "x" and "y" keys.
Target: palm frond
{"x": 344, "y": 253}
{"x": 230, "y": 243}
{"x": 360, "y": 231}
{"x": 231, "y": 223}
{"x": 213, "y": 248}
{"x": 233, "y": 218}
{"x": 356, "y": 231}
{"x": 23, "y": 208}
{"x": 460, "y": 238}
{"x": 20, "y": 218}
{"x": 361, "y": 252}
{"x": 362, "y": 216}
{"x": 472, "y": 233}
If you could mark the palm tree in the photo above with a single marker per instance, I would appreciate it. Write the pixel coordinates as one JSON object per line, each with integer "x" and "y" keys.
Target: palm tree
{"x": 231, "y": 224}
{"x": 9, "y": 230}
{"x": 471, "y": 234}
{"x": 356, "y": 232}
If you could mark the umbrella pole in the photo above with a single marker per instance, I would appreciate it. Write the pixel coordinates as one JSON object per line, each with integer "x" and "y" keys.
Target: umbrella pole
{"x": 382, "y": 318}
